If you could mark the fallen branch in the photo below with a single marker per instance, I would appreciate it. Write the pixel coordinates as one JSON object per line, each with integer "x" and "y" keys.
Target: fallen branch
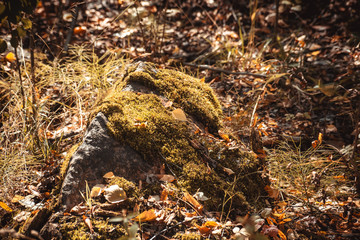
{"x": 226, "y": 71}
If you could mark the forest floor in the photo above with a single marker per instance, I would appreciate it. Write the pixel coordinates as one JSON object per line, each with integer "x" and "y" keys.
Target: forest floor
{"x": 297, "y": 86}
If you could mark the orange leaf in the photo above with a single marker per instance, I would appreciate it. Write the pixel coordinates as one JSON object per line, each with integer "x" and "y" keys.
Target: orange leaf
{"x": 164, "y": 195}
{"x": 225, "y": 137}
{"x": 207, "y": 227}
{"x": 191, "y": 214}
{"x": 315, "y": 143}
{"x": 281, "y": 235}
{"x": 271, "y": 221}
{"x": 5, "y": 207}
{"x": 203, "y": 229}
{"x": 211, "y": 224}
{"x": 279, "y": 216}
{"x": 193, "y": 201}
{"x": 273, "y": 193}
{"x": 146, "y": 216}
{"x": 10, "y": 57}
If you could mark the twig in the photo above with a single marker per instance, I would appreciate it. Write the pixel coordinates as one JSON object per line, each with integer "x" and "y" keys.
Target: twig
{"x": 72, "y": 26}
{"x": 276, "y": 19}
{"x": 166, "y": 229}
{"x": 225, "y": 71}
{"x": 352, "y": 159}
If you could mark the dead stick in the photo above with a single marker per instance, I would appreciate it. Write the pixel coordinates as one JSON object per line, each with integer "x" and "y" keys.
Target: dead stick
{"x": 352, "y": 159}
{"x": 226, "y": 71}
{"x": 72, "y": 26}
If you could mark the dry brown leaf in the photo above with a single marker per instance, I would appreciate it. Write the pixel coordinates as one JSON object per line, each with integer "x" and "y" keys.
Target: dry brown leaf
{"x": 95, "y": 191}
{"x": 273, "y": 193}
{"x": 115, "y": 194}
{"x": 228, "y": 171}
{"x": 193, "y": 201}
{"x": 79, "y": 210}
{"x": 109, "y": 175}
{"x": 88, "y": 224}
{"x": 166, "y": 178}
{"x": 179, "y": 114}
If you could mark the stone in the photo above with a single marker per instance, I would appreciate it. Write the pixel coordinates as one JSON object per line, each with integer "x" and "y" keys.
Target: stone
{"x": 98, "y": 154}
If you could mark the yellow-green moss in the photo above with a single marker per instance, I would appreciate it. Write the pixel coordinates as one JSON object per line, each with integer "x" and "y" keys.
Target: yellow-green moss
{"x": 143, "y": 122}
{"x": 187, "y": 236}
{"x": 73, "y": 227}
{"x": 129, "y": 187}
{"x": 195, "y": 97}
{"x": 65, "y": 163}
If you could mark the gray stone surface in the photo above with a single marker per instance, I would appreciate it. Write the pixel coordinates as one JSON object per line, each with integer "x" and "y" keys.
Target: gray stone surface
{"x": 98, "y": 154}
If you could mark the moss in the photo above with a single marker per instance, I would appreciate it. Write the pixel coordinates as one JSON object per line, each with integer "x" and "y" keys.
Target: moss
{"x": 65, "y": 163}
{"x": 187, "y": 236}
{"x": 73, "y": 227}
{"x": 129, "y": 187}
{"x": 163, "y": 137}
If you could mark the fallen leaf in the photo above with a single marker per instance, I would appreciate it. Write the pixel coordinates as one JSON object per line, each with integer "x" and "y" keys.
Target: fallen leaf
{"x": 228, "y": 171}
{"x": 273, "y": 193}
{"x": 193, "y": 201}
{"x": 5, "y": 207}
{"x": 95, "y": 191}
{"x": 207, "y": 227}
{"x": 115, "y": 194}
{"x": 166, "y": 178}
{"x": 22, "y": 216}
{"x": 179, "y": 114}
{"x": 10, "y": 57}
{"x": 225, "y": 137}
{"x": 281, "y": 235}
{"x": 109, "y": 175}
{"x": 146, "y": 216}
{"x": 88, "y": 223}
{"x": 164, "y": 195}
{"x": 79, "y": 210}
{"x": 17, "y": 198}
{"x": 200, "y": 196}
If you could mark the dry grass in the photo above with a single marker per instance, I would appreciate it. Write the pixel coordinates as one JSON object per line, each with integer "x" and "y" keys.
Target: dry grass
{"x": 315, "y": 172}
{"x": 36, "y": 133}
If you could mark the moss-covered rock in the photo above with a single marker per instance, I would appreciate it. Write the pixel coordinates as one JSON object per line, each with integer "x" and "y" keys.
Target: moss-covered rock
{"x": 140, "y": 116}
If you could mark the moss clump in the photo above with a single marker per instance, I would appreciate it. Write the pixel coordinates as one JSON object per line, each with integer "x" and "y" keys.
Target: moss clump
{"x": 74, "y": 228}
{"x": 129, "y": 187}
{"x": 196, "y": 98}
{"x": 166, "y": 138}
{"x": 187, "y": 236}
